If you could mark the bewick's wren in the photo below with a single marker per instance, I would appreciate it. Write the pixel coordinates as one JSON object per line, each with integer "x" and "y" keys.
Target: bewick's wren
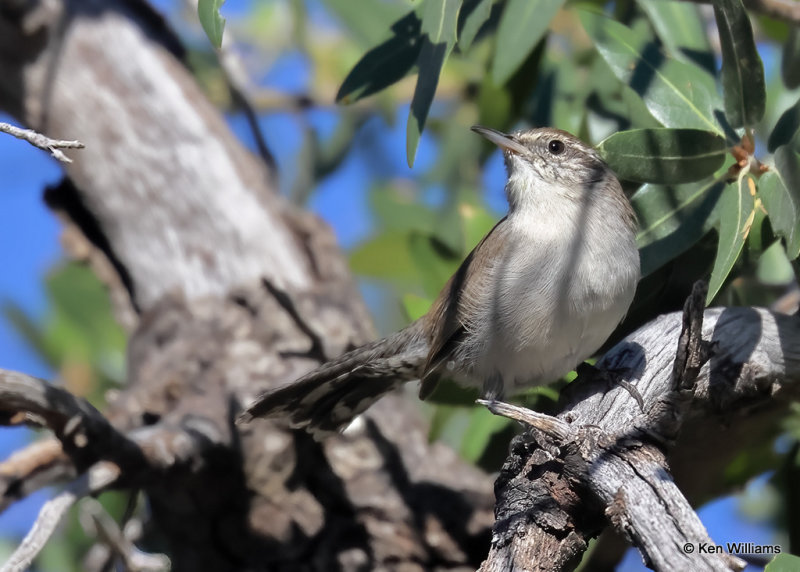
{"x": 539, "y": 294}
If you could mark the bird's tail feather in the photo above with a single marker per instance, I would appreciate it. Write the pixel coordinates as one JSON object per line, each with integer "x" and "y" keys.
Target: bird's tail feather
{"x": 329, "y": 397}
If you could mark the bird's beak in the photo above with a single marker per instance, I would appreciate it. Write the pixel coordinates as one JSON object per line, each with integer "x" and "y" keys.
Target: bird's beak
{"x": 504, "y": 141}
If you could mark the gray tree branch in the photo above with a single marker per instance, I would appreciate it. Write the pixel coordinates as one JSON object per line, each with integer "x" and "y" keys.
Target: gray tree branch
{"x": 92, "y": 481}
{"x": 38, "y": 465}
{"x": 97, "y": 522}
{"x": 604, "y": 458}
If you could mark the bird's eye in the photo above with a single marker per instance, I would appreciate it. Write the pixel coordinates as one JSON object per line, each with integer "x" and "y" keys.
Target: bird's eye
{"x": 556, "y": 146}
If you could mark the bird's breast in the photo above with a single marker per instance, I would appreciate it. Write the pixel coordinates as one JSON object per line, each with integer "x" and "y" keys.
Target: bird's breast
{"x": 553, "y": 303}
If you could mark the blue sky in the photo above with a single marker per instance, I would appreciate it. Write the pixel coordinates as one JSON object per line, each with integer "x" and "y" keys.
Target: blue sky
{"x": 29, "y": 241}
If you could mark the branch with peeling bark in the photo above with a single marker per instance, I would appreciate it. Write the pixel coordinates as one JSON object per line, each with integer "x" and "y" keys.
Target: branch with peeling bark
{"x": 604, "y": 458}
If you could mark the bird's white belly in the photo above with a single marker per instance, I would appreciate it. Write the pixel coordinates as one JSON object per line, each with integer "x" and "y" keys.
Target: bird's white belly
{"x": 549, "y": 326}
{"x": 544, "y": 358}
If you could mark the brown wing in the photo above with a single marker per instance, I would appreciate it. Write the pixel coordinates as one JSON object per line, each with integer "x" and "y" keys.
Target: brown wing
{"x": 448, "y": 313}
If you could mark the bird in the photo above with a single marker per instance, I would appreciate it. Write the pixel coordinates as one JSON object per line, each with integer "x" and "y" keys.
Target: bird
{"x": 539, "y": 294}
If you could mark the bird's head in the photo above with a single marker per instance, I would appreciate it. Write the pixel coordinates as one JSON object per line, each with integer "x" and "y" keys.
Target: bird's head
{"x": 547, "y": 164}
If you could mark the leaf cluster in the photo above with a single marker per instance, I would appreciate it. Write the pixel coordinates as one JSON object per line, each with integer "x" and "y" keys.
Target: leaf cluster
{"x": 712, "y": 171}
{"x": 684, "y": 129}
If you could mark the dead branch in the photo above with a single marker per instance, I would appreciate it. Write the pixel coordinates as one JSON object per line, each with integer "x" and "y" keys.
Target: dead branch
{"x": 53, "y": 146}
{"x": 607, "y": 460}
{"x": 85, "y": 434}
{"x": 38, "y": 465}
{"x": 97, "y": 522}
{"x": 97, "y": 478}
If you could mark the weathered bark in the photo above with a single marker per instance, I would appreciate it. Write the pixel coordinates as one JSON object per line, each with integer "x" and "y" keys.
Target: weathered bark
{"x": 227, "y": 291}
{"x": 605, "y": 455}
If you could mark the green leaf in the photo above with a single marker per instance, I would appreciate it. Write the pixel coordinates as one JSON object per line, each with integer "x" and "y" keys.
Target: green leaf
{"x": 439, "y": 23}
{"x": 664, "y": 156}
{"x": 522, "y": 24}
{"x": 213, "y": 24}
{"x": 386, "y": 63}
{"x": 398, "y": 209}
{"x": 449, "y": 423}
{"x": 369, "y": 21}
{"x": 386, "y": 256}
{"x": 416, "y": 306}
{"x": 449, "y": 227}
{"x": 681, "y": 27}
{"x": 786, "y": 129}
{"x": 79, "y": 329}
{"x": 774, "y": 267}
{"x": 736, "y": 212}
{"x": 758, "y": 232}
{"x": 476, "y": 223}
{"x": 32, "y": 333}
{"x": 783, "y": 563}
{"x": 743, "y": 84}
{"x": 502, "y": 105}
{"x": 448, "y": 392}
{"x": 559, "y": 96}
{"x": 455, "y": 144}
{"x": 435, "y": 262}
{"x": 779, "y": 190}
{"x": 790, "y": 59}
{"x": 672, "y": 219}
{"x": 612, "y": 99}
{"x": 676, "y": 93}
{"x": 474, "y": 14}
{"x": 82, "y": 300}
{"x": 462, "y": 225}
{"x": 482, "y": 425}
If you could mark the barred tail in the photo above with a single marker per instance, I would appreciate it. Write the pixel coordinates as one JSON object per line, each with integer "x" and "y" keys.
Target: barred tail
{"x": 328, "y": 398}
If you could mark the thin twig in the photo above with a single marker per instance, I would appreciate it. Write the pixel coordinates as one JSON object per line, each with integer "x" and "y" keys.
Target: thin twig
{"x": 96, "y": 520}
{"x": 38, "y": 465}
{"x": 97, "y": 478}
{"x": 552, "y": 426}
{"x": 692, "y": 352}
{"x": 31, "y": 459}
{"x": 43, "y": 142}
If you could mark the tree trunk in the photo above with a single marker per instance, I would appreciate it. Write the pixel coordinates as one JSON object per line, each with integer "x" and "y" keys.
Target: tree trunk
{"x": 227, "y": 290}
